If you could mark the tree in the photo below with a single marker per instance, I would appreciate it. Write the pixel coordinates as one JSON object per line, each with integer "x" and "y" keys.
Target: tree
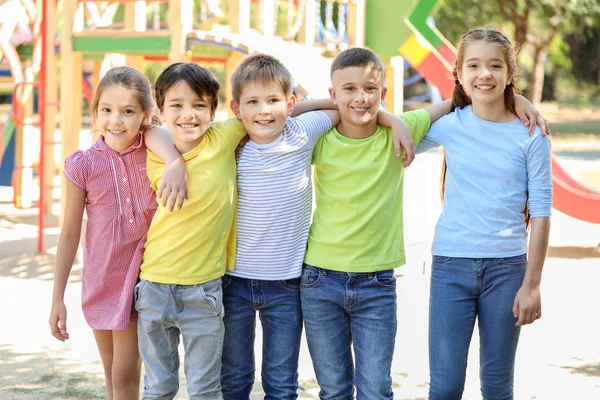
{"x": 537, "y": 22}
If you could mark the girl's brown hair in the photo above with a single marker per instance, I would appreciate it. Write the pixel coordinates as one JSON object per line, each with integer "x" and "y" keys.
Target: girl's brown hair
{"x": 460, "y": 98}
{"x": 134, "y": 80}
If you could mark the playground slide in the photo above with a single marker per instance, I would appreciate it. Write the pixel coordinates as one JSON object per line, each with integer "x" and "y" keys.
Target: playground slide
{"x": 433, "y": 57}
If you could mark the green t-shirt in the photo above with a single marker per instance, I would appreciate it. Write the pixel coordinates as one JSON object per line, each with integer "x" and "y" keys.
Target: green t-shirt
{"x": 357, "y": 224}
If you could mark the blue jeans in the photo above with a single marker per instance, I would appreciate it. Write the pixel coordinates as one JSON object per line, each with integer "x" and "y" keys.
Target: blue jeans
{"x": 463, "y": 289}
{"x": 194, "y": 312}
{"x": 278, "y": 305}
{"x": 344, "y": 312}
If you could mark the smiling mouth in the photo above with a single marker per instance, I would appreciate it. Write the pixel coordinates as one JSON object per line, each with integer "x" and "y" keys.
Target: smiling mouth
{"x": 116, "y": 132}
{"x": 484, "y": 87}
{"x": 360, "y": 109}
{"x": 187, "y": 126}
{"x": 265, "y": 122}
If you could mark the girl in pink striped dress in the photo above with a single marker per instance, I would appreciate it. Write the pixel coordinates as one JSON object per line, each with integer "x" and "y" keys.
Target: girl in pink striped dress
{"x": 109, "y": 181}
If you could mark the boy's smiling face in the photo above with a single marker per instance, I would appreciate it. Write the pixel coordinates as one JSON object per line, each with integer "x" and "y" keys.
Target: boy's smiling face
{"x": 358, "y": 93}
{"x": 187, "y": 116}
{"x": 263, "y": 109}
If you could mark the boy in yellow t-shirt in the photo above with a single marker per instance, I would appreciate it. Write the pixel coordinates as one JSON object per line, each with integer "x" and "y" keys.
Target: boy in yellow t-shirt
{"x": 186, "y": 253}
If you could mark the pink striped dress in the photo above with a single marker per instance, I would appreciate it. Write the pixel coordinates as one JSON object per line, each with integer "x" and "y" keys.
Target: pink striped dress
{"x": 120, "y": 205}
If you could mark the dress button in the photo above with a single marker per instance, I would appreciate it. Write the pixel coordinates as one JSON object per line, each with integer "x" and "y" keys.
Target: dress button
{"x": 130, "y": 221}
{"x": 124, "y": 179}
{"x": 127, "y": 200}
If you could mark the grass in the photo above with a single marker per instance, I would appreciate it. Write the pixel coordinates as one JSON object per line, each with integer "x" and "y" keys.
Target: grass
{"x": 590, "y": 127}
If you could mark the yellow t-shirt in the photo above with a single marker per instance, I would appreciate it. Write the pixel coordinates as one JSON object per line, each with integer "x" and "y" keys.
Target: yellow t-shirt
{"x": 357, "y": 224}
{"x": 193, "y": 245}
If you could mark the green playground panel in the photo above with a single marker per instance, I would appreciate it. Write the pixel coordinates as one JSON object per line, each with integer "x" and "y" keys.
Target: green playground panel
{"x": 129, "y": 45}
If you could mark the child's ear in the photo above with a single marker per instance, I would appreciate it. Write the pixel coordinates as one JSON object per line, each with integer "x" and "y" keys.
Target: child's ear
{"x": 235, "y": 107}
{"x": 383, "y": 93}
{"x": 290, "y": 105}
{"x": 332, "y": 95}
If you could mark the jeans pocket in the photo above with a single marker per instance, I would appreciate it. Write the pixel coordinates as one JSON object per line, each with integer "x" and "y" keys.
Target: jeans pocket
{"x": 212, "y": 296}
{"x": 515, "y": 261}
{"x": 310, "y": 276}
{"x": 136, "y": 293}
{"x": 386, "y": 279}
{"x": 290, "y": 284}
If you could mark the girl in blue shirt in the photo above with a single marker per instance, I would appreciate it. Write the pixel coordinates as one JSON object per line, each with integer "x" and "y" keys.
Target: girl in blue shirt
{"x": 496, "y": 184}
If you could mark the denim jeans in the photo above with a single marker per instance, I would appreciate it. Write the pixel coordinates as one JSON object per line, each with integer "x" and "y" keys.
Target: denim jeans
{"x": 194, "y": 312}
{"x": 345, "y": 312}
{"x": 462, "y": 290}
{"x": 278, "y": 305}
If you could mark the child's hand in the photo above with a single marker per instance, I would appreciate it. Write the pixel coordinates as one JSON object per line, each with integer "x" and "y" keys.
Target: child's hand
{"x": 244, "y": 140}
{"x": 527, "y": 305}
{"x": 403, "y": 139}
{"x": 530, "y": 116}
{"x": 173, "y": 185}
{"x": 58, "y": 321}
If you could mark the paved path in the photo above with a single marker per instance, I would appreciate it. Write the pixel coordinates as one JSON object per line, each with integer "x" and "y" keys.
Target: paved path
{"x": 558, "y": 358}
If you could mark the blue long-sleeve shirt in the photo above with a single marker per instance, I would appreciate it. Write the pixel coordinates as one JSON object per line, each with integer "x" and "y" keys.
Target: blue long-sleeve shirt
{"x": 493, "y": 169}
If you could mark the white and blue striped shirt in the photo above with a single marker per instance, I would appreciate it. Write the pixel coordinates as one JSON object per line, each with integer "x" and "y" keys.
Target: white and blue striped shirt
{"x": 275, "y": 200}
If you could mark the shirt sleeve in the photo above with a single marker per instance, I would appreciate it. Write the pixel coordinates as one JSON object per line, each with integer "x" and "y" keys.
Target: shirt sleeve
{"x": 436, "y": 133}
{"x": 229, "y": 132}
{"x": 315, "y": 124}
{"x": 418, "y": 122}
{"x": 539, "y": 176}
{"x": 77, "y": 169}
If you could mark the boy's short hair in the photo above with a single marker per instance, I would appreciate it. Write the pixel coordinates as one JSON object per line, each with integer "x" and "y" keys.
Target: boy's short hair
{"x": 201, "y": 80}
{"x": 356, "y": 57}
{"x": 262, "y": 68}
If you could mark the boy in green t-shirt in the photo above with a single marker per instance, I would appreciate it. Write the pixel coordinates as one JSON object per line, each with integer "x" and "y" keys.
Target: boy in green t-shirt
{"x": 356, "y": 239}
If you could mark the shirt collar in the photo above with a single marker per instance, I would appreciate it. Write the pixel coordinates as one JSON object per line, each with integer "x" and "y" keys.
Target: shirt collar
{"x": 101, "y": 145}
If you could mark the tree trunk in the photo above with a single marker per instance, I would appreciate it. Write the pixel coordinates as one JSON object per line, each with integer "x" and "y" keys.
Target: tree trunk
{"x": 536, "y": 78}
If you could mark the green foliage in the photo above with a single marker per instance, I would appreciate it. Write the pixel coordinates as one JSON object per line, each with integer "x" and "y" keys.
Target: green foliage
{"x": 455, "y": 17}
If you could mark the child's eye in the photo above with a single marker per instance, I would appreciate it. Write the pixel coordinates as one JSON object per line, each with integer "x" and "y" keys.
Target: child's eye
{"x": 371, "y": 89}
{"x": 175, "y": 106}
{"x": 105, "y": 110}
{"x": 129, "y": 112}
{"x": 252, "y": 102}
{"x": 272, "y": 101}
{"x": 471, "y": 66}
{"x": 497, "y": 66}
{"x": 349, "y": 89}
{"x": 200, "y": 106}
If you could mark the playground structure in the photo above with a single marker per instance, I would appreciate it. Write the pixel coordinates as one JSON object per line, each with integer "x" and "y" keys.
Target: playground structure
{"x": 298, "y": 32}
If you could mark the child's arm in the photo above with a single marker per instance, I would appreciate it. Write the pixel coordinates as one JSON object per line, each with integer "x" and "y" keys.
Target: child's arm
{"x": 304, "y": 106}
{"x": 173, "y": 185}
{"x": 401, "y": 135}
{"x": 528, "y": 305}
{"x": 438, "y": 110}
{"x": 530, "y": 116}
{"x": 67, "y": 248}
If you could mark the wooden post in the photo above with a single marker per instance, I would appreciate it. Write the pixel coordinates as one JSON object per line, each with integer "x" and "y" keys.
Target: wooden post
{"x": 232, "y": 61}
{"x": 268, "y": 18}
{"x": 239, "y": 15}
{"x": 306, "y": 35}
{"x": 355, "y": 23}
{"x": 135, "y": 20}
{"x": 176, "y": 32}
{"x": 394, "y": 76}
{"x": 70, "y": 87}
